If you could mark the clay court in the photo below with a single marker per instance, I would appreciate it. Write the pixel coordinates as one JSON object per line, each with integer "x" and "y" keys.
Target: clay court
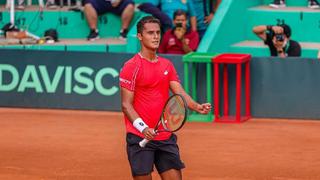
{"x": 90, "y": 145}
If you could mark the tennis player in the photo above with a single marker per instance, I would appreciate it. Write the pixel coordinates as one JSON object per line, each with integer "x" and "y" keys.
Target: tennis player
{"x": 145, "y": 81}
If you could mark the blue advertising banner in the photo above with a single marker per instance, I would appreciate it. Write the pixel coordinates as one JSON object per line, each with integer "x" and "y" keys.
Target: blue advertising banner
{"x": 280, "y": 88}
{"x": 66, "y": 80}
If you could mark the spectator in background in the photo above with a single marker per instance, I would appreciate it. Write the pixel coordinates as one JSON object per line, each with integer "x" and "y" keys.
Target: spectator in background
{"x": 278, "y": 40}
{"x": 205, "y": 10}
{"x": 164, "y": 10}
{"x": 95, "y": 8}
{"x": 165, "y": 20}
{"x": 313, "y": 4}
{"x": 50, "y": 4}
{"x": 180, "y": 39}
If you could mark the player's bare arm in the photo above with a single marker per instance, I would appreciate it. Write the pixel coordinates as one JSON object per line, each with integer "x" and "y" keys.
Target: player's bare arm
{"x": 126, "y": 104}
{"x": 127, "y": 107}
{"x": 177, "y": 88}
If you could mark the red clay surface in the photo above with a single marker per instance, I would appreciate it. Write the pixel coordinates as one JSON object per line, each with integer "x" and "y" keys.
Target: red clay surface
{"x": 88, "y": 145}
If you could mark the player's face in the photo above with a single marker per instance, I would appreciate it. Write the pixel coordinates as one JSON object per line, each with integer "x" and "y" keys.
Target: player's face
{"x": 150, "y": 36}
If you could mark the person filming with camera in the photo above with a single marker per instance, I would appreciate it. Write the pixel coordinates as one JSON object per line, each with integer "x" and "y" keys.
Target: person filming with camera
{"x": 180, "y": 39}
{"x": 277, "y": 38}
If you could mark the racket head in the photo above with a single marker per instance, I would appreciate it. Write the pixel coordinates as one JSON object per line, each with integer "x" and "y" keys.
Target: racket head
{"x": 174, "y": 113}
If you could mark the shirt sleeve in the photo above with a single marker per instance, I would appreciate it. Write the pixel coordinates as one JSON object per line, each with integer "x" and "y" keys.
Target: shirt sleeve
{"x": 268, "y": 40}
{"x": 295, "y": 50}
{"x": 128, "y": 75}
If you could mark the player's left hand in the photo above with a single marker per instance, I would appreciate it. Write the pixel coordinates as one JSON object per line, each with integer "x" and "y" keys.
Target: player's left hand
{"x": 204, "y": 108}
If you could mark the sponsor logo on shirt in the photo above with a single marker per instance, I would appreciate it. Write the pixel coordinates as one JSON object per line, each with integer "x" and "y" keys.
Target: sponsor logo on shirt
{"x": 166, "y": 72}
{"x": 171, "y": 42}
{"x": 125, "y": 81}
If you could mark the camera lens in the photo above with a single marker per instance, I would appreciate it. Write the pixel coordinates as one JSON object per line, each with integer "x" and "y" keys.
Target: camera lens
{"x": 179, "y": 25}
{"x": 279, "y": 37}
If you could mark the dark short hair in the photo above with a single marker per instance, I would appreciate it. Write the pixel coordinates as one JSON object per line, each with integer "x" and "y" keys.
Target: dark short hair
{"x": 286, "y": 30}
{"x": 145, "y": 20}
{"x": 180, "y": 12}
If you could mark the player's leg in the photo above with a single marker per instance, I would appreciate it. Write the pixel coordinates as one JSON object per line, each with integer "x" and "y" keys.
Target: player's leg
{"x": 146, "y": 177}
{"x": 141, "y": 160}
{"x": 167, "y": 159}
{"x": 171, "y": 174}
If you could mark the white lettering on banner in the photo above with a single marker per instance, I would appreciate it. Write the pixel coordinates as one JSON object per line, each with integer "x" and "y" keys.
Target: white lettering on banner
{"x": 80, "y": 80}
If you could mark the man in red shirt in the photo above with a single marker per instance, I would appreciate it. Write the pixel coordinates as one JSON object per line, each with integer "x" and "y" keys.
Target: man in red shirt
{"x": 145, "y": 81}
{"x": 179, "y": 40}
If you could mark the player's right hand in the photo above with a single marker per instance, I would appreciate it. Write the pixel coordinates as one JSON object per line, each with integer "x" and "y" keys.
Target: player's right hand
{"x": 149, "y": 133}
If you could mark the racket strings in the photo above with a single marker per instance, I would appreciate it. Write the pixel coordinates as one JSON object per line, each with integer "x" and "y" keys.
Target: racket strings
{"x": 174, "y": 114}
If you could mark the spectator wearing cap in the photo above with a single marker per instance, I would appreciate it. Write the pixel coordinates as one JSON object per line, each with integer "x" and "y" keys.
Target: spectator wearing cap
{"x": 277, "y": 38}
{"x": 180, "y": 39}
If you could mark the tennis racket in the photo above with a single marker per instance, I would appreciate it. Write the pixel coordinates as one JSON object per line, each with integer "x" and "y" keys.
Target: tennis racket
{"x": 173, "y": 117}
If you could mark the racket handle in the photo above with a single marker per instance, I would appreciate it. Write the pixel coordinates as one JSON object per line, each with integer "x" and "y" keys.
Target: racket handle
{"x": 143, "y": 142}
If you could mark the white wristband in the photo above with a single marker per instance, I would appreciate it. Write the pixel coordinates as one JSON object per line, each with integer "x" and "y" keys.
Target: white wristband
{"x": 139, "y": 124}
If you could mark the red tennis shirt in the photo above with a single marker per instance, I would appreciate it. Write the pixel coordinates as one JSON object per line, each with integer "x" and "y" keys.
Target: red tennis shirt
{"x": 150, "y": 83}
